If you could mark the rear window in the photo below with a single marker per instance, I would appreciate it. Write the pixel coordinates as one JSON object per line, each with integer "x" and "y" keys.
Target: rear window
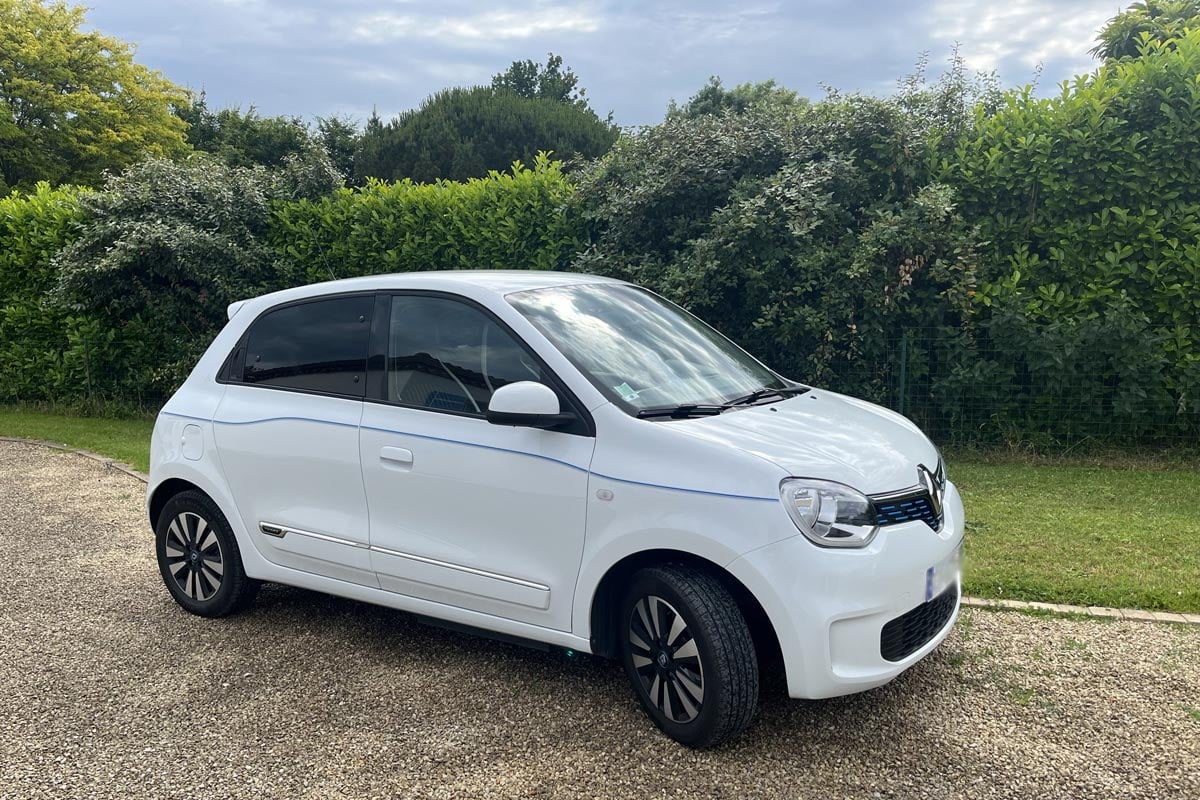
{"x": 319, "y": 346}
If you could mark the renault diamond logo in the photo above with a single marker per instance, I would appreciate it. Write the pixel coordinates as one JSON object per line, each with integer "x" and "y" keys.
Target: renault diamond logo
{"x": 930, "y": 483}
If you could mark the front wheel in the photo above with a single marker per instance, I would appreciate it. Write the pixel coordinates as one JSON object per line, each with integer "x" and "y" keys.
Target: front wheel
{"x": 688, "y": 652}
{"x": 199, "y": 559}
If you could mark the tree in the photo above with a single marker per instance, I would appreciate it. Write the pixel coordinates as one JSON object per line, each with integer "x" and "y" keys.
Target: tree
{"x": 551, "y": 82}
{"x": 1126, "y": 34}
{"x": 340, "y": 138}
{"x": 714, "y": 98}
{"x": 74, "y": 103}
{"x": 242, "y": 140}
{"x": 465, "y": 133}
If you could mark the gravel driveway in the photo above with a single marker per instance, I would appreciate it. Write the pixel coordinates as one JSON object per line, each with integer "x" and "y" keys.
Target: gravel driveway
{"x": 107, "y": 689}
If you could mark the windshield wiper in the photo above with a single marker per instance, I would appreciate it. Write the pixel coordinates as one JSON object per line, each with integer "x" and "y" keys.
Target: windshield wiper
{"x": 683, "y": 411}
{"x": 761, "y": 394}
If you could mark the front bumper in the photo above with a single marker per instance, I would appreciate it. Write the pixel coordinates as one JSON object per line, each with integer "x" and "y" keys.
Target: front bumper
{"x": 829, "y": 607}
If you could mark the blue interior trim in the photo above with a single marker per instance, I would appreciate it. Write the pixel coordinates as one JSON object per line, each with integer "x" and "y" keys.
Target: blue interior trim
{"x": 482, "y": 447}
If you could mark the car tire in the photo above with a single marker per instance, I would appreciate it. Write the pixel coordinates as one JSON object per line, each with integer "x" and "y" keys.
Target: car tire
{"x": 199, "y": 558}
{"x": 689, "y": 654}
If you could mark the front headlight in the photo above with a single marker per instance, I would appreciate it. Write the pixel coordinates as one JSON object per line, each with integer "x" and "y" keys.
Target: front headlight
{"x": 830, "y": 514}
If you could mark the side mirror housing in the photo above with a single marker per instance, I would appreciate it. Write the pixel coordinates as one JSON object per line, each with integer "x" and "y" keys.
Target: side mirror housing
{"x": 527, "y": 404}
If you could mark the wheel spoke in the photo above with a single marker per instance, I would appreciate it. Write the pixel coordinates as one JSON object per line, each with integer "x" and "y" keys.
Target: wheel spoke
{"x": 174, "y": 552}
{"x": 213, "y": 578}
{"x": 656, "y": 692}
{"x": 215, "y": 565}
{"x": 681, "y": 694}
{"x": 642, "y": 612}
{"x": 656, "y": 617}
{"x": 688, "y": 650}
{"x": 641, "y": 662}
{"x": 175, "y": 531}
{"x": 637, "y": 641}
{"x": 694, "y": 689}
{"x": 190, "y": 585}
{"x": 207, "y": 537}
{"x": 178, "y": 565}
{"x": 677, "y": 627}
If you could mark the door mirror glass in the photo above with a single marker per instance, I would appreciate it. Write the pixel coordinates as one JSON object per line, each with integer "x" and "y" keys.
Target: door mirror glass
{"x": 526, "y": 404}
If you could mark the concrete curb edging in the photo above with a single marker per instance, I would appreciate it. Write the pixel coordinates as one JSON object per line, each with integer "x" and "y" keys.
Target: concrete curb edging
{"x": 105, "y": 460}
{"x": 1132, "y": 614}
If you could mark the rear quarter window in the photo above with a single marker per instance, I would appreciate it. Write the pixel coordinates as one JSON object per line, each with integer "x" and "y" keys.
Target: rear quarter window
{"x": 317, "y": 346}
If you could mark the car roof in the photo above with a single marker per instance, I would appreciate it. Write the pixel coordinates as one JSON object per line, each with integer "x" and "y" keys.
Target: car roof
{"x": 472, "y": 283}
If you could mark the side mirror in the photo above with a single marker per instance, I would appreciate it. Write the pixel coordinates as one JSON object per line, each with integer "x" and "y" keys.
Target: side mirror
{"x": 526, "y": 404}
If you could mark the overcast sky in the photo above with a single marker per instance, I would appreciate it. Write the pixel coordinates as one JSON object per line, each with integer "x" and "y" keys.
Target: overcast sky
{"x": 308, "y": 57}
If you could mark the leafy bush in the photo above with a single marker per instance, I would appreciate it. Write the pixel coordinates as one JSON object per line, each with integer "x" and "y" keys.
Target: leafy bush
{"x": 510, "y": 220}
{"x": 808, "y": 234}
{"x": 163, "y": 250}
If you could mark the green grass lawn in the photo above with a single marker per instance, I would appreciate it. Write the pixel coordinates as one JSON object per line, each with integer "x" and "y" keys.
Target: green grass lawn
{"x": 1086, "y": 535}
{"x": 1124, "y": 536}
{"x": 125, "y": 440}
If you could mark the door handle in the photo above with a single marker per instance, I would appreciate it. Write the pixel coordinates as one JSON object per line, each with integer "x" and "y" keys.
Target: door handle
{"x": 396, "y": 457}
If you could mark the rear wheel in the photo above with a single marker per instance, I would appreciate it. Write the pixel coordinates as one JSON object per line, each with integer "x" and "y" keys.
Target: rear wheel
{"x": 688, "y": 652}
{"x": 199, "y": 558}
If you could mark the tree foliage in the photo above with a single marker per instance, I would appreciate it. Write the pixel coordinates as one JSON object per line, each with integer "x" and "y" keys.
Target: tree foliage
{"x": 340, "y": 138}
{"x": 243, "y": 139}
{"x": 1126, "y": 34}
{"x": 714, "y": 98}
{"x": 74, "y": 103}
{"x": 536, "y": 82}
{"x": 459, "y": 134}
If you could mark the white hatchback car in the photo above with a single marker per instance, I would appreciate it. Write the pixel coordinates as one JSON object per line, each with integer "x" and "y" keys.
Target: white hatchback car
{"x": 561, "y": 459}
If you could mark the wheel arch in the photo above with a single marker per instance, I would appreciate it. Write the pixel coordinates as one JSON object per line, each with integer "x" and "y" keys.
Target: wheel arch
{"x": 606, "y": 601}
{"x": 162, "y": 494}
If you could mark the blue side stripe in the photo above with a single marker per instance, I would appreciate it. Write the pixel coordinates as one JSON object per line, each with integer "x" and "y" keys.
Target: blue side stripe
{"x": 480, "y": 446}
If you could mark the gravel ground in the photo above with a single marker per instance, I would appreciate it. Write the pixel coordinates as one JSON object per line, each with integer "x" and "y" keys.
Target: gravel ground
{"x": 107, "y": 689}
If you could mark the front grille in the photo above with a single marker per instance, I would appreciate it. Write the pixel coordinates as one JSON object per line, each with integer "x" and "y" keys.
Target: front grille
{"x": 908, "y": 508}
{"x": 909, "y": 632}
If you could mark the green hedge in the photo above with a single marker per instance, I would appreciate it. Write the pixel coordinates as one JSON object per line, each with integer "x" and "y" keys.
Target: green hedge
{"x": 42, "y": 352}
{"x": 512, "y": 220}
{"x": 1089, "y": 207}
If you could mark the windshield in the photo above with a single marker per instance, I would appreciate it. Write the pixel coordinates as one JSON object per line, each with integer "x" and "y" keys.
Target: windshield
{"x": 641, "y": 351}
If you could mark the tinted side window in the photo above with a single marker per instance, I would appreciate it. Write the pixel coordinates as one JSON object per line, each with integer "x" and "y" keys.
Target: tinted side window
{"x": 446, "y": 355}
{"x": 319, "y": 346}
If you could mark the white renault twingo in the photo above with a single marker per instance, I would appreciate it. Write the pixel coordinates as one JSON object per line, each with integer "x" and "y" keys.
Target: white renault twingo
{"x": 564, "y": 459}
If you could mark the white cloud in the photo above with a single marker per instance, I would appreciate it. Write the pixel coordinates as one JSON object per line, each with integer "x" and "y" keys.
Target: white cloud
{"x": 495, "y": 25}
{"x": 1024, "y": 32}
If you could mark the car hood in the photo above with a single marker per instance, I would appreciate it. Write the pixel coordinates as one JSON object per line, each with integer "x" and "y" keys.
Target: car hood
{"x": 825, "y": 435}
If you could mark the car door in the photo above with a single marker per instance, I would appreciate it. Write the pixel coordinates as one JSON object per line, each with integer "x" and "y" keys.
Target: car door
{"x": 287, "y": 435}
{"x": 463, "y": 512}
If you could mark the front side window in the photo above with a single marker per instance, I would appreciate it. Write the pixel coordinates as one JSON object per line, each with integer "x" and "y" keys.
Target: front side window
{"x": 320, "y": 346}
{"x": 448, "y": 356}
{"x": 640, "y": 350}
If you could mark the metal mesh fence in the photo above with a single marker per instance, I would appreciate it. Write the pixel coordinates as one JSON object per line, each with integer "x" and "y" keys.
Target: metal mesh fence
{"x": 1045, "y": 393}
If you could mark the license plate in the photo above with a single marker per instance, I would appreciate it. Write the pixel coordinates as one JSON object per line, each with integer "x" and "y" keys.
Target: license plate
{"x": 944, "y": 574}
